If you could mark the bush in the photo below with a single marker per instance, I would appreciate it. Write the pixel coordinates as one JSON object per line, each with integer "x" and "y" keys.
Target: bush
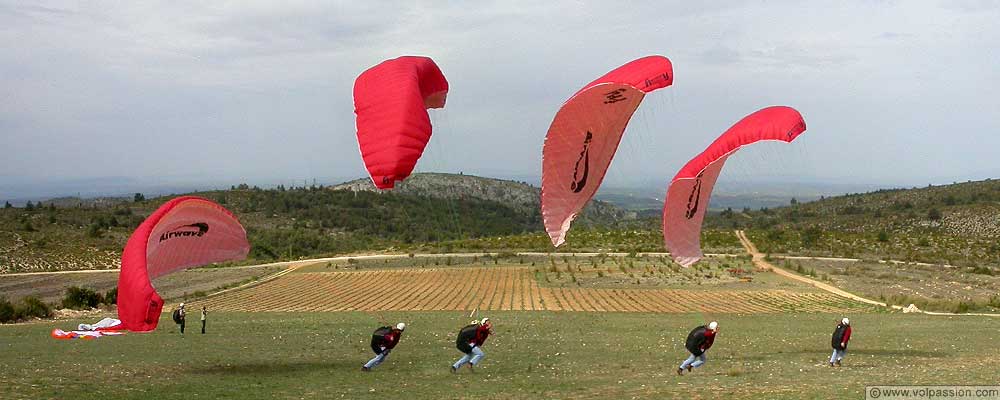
{"x": 982, "y": 270}
{"x": 7, "y": 311}
{"x": 883, "y": 236}
{"x": 111, "y": 297}
{"x": 31, "y": 306}
{"x": 78, "y": 298}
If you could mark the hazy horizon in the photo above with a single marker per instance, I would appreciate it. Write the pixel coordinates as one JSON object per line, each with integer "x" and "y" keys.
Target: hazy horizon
{"x": 19, "y": 193}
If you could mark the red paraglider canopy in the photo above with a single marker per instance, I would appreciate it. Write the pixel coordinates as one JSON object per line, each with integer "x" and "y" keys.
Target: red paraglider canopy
{"x": 184, "y": 232}
{"x": 585, "y": 134}
{"x": 391, "y": 101}
{"x": 690, "y": 190}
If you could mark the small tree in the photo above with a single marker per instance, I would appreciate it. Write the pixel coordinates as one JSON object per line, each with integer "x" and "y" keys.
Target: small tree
{"x": 29, "y": 206}
{"x": 934, "y": 214}
{"x": 794, "y": 202}
{"x": 94, "y": 231}
{"x": 82, "y": 298}
{"x": 7, "y": 204}
{"x": 111, "y": 297}
{"x": 33, "y": 307}
{"x": 138, "y": 198}
{"x": 7, "y": 311}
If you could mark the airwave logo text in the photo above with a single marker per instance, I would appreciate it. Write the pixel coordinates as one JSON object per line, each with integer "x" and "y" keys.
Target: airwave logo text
{"x": 185, "y": 231}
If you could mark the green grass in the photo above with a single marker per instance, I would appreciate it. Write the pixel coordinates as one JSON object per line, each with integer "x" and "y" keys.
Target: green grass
{"x": 533, "y": 355}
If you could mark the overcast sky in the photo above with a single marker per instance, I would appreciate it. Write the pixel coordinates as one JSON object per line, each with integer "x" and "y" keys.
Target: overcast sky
{"x": 892, "y": 92}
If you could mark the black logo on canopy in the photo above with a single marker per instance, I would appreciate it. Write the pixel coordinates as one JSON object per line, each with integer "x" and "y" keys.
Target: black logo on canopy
{"x": 579, "y": 182}
{"x": 694, "y": 198}
{"x": 614, "y": 96}
{"x": 197, "y": 229}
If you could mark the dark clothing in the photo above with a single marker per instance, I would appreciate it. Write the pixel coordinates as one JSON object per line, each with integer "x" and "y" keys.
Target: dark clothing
{"x": 841, "y": 335}
{"x": 179, "y": 317}
{"x": 467, "y": 337}
{"x": 203, "y": 327}
{"x": 699, "y": 340}
{"x": 385, "y": 339}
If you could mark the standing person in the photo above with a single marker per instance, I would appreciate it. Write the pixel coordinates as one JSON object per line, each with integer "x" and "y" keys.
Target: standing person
{"x": 841, "y": 335}
{"x": 383, "y": 341}
{"x": 204, "y": 317}
{"x": 470, "y": 340}
{"x": 698, "y": 342}
{"x": 179, "y": 316}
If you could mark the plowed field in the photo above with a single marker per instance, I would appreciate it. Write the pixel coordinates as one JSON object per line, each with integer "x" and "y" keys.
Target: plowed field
{"x": 500, "y": 288}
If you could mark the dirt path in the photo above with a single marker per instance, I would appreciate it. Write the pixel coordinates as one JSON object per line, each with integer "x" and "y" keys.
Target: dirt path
{"x": 758, "y": 260}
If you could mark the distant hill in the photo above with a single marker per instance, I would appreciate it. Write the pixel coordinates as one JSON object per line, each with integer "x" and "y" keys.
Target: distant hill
{"x": 519, "y": 195}
{"x": 288, "y": 223}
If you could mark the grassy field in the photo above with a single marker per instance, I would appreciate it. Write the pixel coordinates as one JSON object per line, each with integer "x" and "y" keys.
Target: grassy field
{"x": 533, "y": 355}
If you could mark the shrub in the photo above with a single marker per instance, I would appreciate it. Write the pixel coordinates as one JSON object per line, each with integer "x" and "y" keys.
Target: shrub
{"x": 31, "y": 306}
{"x": 7, "y": 311}
{"x": 883, "y": 236}
{"x": 982, "y": 270}
{"x": 78, "y": 298}
{"x": 111, "y": 297}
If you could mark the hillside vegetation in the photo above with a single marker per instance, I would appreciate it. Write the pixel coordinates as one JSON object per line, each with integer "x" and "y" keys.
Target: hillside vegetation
{"x": 288, "y": 223}
{"x": 955, "y": 224}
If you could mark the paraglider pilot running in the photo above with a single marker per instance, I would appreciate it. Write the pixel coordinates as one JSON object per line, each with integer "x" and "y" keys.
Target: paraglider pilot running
{"x": 470, "y": 340}
{"x": 383, "y": 341}
{"x": 841, "y": 335}
{"x": 698, "y": 342}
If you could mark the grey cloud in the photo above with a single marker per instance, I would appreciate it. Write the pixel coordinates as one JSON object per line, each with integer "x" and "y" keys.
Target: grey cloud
{"x": 262, "y": 90}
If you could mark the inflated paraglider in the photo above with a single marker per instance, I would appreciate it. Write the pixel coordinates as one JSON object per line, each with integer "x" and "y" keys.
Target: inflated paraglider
{"x": 391, "y": 101}
{"x": 584, "y": 136}
{"x": 691, "y": 189}
{"x": 184, "y": 232}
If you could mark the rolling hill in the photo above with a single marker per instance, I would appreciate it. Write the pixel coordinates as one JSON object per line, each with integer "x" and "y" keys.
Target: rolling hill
{"x": 950, "y": 224}
{"x": 286, "y": 223}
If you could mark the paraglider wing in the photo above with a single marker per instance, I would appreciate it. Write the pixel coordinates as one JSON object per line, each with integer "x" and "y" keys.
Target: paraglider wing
{"x": 184, "y": 232}
{"x": 585, "y": 134}
{"x": 690, "y": 190}
{"x": 391, "y": 101}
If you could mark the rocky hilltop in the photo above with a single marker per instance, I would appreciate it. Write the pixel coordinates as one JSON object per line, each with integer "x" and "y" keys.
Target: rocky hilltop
{"x": 518, "y": 195}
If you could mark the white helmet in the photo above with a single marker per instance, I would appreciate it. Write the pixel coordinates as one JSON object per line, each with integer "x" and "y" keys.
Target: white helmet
{"x": 182, "y": 305}
{"x": 484, "y": 321}
{"x": 401, "y": 326}
{"x": 713, "y": 325}
{"x": 845, "y": 321}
